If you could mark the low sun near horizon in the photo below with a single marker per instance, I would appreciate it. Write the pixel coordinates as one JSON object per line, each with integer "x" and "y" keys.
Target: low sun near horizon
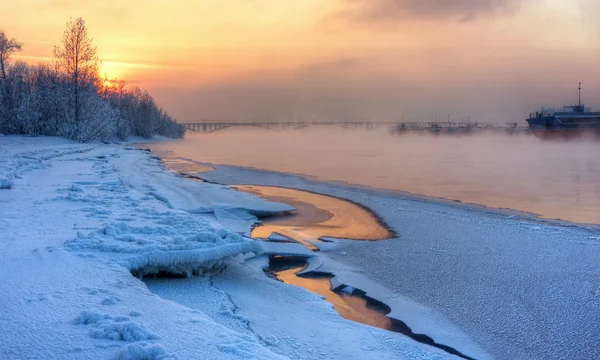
{"x": 335, "y": 59}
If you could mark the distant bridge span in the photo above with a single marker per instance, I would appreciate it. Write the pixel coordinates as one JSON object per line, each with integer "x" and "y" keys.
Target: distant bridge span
{"x": 435, "y": 127}
{"x": 208, "y": 127}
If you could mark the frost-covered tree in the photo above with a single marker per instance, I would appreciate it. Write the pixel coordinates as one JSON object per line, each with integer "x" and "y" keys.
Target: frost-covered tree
{"x": 77, "y": 59}
{"x": 7, "y": 48}
{"x": 14, "y": 89}
{"x": 46, "y": 107}
{"x": 7, "y": 102}
{"x": 69, "y": 100}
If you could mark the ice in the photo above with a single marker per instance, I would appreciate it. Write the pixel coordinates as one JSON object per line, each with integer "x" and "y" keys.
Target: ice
{"x": 313, "y": 264}
{"x": 280, "y": 238}
{"x": 314, "y": 331}
{"x": 154, "y": 249}
{"x": 286, "y": 249}
{"x": 517, "y": 287}
{"x": 141, "y": 173}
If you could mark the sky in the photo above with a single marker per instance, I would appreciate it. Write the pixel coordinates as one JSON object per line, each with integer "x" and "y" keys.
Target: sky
{"x": 381, "y": 60}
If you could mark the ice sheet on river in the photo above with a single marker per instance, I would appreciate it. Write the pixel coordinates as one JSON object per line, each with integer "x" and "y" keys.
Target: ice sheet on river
{"x": 521, "y": 288}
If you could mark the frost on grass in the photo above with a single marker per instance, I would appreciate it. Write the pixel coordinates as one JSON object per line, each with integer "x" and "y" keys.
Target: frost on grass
{"x": 183, "y": 247}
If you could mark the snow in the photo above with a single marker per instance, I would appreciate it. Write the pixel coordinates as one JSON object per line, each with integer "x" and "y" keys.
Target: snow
{"x": 316, "y": 330}
{"x": 518, "y": 287}
{"x": 153, "y": 249}
{"x": 81, "y": 223}
{"x": 150, "y": 352}
{"x": 5, "y": 182}
{"x": 114, "y": 328}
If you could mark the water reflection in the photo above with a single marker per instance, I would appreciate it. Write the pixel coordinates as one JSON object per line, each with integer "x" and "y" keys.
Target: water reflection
{"x": 556, "y": 180}
{"x": 350, "y": 307}
{"x": 317, "y": 216}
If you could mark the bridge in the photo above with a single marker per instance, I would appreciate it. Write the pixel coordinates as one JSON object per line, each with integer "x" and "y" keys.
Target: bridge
{"x": 208, "y": 127}
{"x": 437, "y": 126}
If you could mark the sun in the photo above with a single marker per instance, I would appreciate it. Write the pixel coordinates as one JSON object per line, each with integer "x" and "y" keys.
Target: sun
{"x": 110, "y": 70}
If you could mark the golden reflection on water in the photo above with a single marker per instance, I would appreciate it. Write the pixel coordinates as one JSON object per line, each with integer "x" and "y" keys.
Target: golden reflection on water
{"x": 317, "y": 216}
{"x": 349, "y": 307}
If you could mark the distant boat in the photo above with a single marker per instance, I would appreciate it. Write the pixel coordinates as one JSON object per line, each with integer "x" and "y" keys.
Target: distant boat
{"x": 573, "y": 122}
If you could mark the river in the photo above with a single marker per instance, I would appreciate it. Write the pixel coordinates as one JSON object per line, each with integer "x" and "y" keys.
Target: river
{"x": 557, "y": 180}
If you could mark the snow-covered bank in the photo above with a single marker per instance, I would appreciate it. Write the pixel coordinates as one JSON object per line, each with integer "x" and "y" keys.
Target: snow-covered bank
{"x": 521, "y": 288}
{"x": 76, "y": 221}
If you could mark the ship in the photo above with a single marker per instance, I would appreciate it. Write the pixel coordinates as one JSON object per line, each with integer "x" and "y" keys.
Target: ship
{"x": 571, "y": 123}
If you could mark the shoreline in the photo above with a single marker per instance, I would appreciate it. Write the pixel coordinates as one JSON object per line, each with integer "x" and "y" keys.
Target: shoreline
{"x": 481, "y": 208}
{"x": 570, "y": 238}
{"x": 84, "y": 222}
{"x": 443, "y": 174}
{"x": 306, "y": 272}
{"x": 521, "y": 214}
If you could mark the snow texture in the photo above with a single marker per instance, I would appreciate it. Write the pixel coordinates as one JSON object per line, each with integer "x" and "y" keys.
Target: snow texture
{"x": 76, "y": 222}
{"x": 113, "y": 328}
{"x": 150, "y": 250}
{"x": 150, "y": 352}
{"x": 80, "y": 224}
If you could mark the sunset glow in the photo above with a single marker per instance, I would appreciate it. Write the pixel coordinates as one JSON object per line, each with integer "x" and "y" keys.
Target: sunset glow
{"x": 300, "y": 179}
{"x": 333, "y": 59}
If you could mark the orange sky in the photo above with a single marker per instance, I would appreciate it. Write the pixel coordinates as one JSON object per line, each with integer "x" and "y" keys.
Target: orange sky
{"x": 334, "y": 59}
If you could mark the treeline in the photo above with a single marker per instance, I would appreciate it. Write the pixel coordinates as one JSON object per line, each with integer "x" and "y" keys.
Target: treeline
{"x": 69, "y": 98}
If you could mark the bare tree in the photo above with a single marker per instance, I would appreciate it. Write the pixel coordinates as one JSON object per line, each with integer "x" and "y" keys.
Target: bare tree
{"x": 7, "y": 48}
{"x": 78, "y": 60}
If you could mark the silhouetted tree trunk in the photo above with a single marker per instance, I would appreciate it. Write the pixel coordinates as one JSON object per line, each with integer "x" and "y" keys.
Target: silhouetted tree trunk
{"x": 78, "y": 60}
{"x": 7, "y": 93}
{"x": 7, "y": 48}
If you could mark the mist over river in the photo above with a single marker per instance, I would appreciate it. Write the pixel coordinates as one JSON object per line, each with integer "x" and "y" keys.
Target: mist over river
{"x": 554, "y": 179}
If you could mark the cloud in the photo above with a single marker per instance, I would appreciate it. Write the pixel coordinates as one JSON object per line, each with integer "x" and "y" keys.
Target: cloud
{"x": 393, "y": 10}
{"x": 123, "y": 64}
{"x": 485, "y": 85}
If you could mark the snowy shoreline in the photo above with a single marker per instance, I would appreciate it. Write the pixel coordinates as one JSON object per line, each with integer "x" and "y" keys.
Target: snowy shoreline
{"x": 520, "y": 286}
{"x": 78, "y": 221}
{"x": 467, "y": 206}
